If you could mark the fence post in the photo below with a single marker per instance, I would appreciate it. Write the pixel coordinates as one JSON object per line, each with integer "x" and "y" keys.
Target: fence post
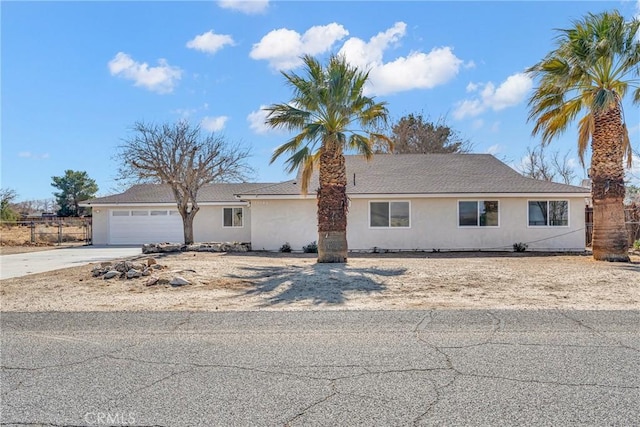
{"x": 32, "y": 225}
{"x": 59, "y": 233}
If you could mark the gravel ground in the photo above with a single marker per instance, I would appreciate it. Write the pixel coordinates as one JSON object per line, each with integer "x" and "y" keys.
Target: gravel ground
{"x": 270, "y": 281}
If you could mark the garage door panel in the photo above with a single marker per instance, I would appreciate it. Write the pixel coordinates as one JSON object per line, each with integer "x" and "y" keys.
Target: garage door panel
{"x": 139, "y": 229}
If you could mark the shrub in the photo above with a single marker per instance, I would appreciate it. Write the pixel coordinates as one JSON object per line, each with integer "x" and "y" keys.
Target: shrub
{"x": 311, "y": 248}
{"x": 286, "y": 247}
{"x": 636, "y": 245}
{"x": 520, "y": 247}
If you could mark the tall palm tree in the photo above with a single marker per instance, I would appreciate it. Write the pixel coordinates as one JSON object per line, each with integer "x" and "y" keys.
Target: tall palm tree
{"x": 332, "y": 116}
{"x": 591, "y": 70}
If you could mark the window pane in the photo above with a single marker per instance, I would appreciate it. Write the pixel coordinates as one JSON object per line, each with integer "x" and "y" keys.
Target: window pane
{"x": 537, "y": 213}
{"x": 227, "y": 214}
{"x": 379, "y": 214}
{"x": 559, "y": 213}
{"x": 139, "y": 213}
{"x": 237, "y": 217}
{"x": 158, "y": 213}
{"x": 468, "y": 213}
{"x": 488, "y": 213}
{"x": 399, "y": 214}
{"x": 120, "y": 213}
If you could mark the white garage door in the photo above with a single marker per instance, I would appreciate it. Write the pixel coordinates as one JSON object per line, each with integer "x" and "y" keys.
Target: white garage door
{"x": 138, "y": 226}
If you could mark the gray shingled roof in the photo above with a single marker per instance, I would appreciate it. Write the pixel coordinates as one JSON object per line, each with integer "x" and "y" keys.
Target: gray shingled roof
{"x": 161, "y": 193}
{"x": 385, "y": 174}
{"x": 428, "y": 174}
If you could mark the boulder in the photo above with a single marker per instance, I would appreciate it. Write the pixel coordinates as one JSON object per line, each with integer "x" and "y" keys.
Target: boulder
{"x": 133, "y": 273}
{"x": 179, "y": 281}
{"x": 110, "y": 274}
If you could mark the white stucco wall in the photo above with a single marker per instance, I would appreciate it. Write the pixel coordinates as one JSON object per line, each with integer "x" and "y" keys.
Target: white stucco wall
{"x": 268, "y": 224}
{"x": 207, "y": 224}
{"x": 434, "y": 225}
{"x": 274, "y": 222}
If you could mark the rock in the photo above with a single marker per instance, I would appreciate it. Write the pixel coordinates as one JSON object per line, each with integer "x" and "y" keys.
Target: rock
{"x": 110, "y": 274}
{"x": 151, "y": 261}
{"x": 157, "y": 267}
{"x": 152, "y": 281}
{"x": 133, "y": 273}
{"x": 154, "y": 248}
{"x": 105, "y": 264}
{"x": 146, "y": 272}
{"x": 179, "y": 281}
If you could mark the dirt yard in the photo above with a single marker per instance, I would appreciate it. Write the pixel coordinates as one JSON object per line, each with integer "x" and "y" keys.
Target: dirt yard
{"x": 263, "y": 281}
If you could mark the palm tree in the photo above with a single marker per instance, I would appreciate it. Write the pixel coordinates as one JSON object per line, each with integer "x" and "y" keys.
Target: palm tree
{"x": 332, "y": 116}
{"x": 591, "y": 70}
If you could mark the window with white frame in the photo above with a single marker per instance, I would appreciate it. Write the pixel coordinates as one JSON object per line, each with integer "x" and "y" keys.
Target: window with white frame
{"x": 232, "y": 217}
{"x": 389, "y": 214}
{"x": 548, "y": 213}
{"x": 478, "y": 213}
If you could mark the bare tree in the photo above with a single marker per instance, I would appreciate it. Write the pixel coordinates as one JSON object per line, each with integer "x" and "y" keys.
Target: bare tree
{"x": 539, "y": 166}
{"x": 414, "y": 134}
{"x": 182, "y": 157}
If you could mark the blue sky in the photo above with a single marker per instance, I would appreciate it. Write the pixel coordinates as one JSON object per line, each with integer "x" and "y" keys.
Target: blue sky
{"x": 77, "y": 75}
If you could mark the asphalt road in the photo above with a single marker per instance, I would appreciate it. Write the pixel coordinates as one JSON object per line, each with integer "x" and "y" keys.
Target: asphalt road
{"x": 329, "y": 368}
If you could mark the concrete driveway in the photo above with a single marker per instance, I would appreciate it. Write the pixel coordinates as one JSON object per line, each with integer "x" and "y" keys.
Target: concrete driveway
{"x": 18, "y": 265}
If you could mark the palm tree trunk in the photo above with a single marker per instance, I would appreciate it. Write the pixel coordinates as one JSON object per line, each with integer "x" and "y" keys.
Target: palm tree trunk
{"x": 332, "y": 205}
{"x": 610, "y": 240}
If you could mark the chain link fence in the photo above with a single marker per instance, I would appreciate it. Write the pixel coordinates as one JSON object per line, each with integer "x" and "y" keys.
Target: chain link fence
{"x": 45, "y": 232}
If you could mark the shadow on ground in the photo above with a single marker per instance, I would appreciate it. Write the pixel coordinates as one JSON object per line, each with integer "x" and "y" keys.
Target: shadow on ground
{"x": 318, "y": 284}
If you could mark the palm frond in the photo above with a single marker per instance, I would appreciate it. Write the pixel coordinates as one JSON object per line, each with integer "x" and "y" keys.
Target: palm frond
{"x": 585, "y": 130}
{"x": 594, "y": 64}
{"x": 327, "y": 107}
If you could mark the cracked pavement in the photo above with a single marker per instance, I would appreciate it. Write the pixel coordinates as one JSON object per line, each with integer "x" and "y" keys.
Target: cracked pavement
{"x": 441, "y": 367}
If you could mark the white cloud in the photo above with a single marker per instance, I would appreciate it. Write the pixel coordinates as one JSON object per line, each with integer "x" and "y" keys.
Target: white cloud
{"x": 283, "y": 47}
{"x": 494, "y": 149}
{"x": 367, "y": 54}
{"x": 210, "y": 42}
{"x": 184, "y": 112}
{"x": 161, "y": 79}
{"x": 418, "y": 70}
{"x": 214, "y": 124}
{"x": 257, "y": 121}
{"x": 510, "y": 92}
{"x": 30, "y": 155}
{"x": 468, "y": 108}
{"x": 250, "y": 7}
